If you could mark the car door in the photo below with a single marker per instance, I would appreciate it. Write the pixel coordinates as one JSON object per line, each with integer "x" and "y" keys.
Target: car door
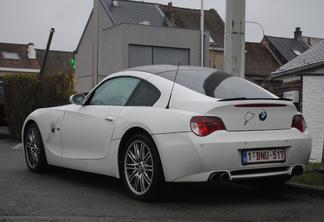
{"x": 87, "y": 130}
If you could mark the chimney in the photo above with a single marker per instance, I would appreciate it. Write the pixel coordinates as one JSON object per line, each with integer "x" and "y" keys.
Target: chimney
{"x": 170, "y": 14}
{"x": 31, "y": 51}
{"x": 297, "y": 33}
{"x": 170, "y": 6}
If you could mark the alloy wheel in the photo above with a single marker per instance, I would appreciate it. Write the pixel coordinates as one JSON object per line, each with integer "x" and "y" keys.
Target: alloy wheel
{"x": 139, "y": 167}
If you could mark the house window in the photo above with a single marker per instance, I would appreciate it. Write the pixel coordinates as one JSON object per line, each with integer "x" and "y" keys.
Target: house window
{"x": 297, "y": 52}
{"x": 212, "y": 41}
{"x": 259, "y": 82}
{"x": 10, "y": 55}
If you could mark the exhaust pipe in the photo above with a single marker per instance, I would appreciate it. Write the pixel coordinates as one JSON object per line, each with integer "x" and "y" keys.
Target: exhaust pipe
{"x": 297, "y": 170}
{"x": 224, "y": 177}
{"x": 214, "y": 178}
{"x": 219, "y": 177}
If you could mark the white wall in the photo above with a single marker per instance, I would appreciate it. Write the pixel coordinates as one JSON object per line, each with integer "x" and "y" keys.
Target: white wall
{"x": 313, "y": 106}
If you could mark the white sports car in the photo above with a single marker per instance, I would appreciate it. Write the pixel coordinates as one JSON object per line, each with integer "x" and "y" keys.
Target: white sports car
{"x": 154, "y": 124}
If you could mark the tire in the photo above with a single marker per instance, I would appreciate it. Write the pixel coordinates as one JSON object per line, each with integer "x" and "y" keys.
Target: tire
{"x": 141, "y": 169}
{"x": 34, "y": 150}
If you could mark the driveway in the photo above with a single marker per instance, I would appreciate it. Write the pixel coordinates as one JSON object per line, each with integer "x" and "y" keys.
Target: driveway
{"x": 67, "y": 195}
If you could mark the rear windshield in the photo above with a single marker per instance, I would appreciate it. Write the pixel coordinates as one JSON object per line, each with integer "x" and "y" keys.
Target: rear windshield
{"x": 217, "y": 84}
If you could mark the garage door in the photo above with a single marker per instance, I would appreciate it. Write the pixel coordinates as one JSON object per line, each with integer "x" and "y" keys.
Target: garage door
{"x": 150, "y": 55}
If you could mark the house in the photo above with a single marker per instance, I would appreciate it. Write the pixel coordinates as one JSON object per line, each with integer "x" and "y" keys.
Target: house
{"x": 18, "y": 58}
{"x": 56, "y": 60}
{"x": 286, "y": 49}
{"x": 190, "y": 19}
{"x": 259, "y": 63}
{"x": 133, "y": 33}
{"x": 22, "y": 58}
{"x": 306, "y": 74}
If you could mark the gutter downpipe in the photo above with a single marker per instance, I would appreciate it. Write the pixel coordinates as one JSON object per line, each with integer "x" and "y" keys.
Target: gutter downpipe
{"x": 202, "y": 17}
{"x": 95, "y": 43}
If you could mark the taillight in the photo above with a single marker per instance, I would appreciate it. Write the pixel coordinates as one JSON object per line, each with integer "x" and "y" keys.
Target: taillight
{"x": 299, "y": 123}
{"x": 203, "y": 125}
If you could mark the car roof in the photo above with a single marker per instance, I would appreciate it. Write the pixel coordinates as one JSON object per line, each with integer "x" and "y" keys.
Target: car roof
{"x": 157, "y": 69}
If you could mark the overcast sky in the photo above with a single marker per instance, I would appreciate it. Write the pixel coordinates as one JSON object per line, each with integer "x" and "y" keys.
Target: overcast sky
{"x": 29, "y": 21}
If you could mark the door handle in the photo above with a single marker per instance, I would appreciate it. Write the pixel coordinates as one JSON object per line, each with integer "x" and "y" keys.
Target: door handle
{"x": 110, "y": 118}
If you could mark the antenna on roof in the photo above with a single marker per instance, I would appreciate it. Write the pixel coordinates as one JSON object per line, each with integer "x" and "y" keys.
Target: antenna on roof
{"x": 175, "y": 78}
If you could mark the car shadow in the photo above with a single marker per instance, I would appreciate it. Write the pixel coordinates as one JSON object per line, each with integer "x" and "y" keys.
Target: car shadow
{"x": 227, "y": 193}
{"x": 92, "y": 180}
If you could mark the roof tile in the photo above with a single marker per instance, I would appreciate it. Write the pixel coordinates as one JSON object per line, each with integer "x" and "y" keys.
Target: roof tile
{"x": 23, "y": 63}
{"x": 190, "y": 19}
{"x": 286, "y": 46}
{"x": 133, "y": 12}
{"x": 310, "y": 57}
{"x": 259, "y": 60}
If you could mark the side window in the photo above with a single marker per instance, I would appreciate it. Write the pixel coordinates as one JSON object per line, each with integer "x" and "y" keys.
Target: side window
{"x": 145, "y": 95}
{"x": 114, "y": 92}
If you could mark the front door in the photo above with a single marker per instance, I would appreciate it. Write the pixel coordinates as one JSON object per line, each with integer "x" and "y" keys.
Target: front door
{"x": 87, "y": 130}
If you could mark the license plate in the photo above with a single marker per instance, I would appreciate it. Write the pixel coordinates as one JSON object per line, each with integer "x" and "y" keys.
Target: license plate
{"x": 262, "y": 156}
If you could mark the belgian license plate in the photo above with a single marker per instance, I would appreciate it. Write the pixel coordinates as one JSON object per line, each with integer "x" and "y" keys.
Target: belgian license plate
{"x": 262, "y": 156}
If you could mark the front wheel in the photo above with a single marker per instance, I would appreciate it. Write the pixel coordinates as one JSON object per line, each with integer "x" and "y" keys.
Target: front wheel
{"x": 34, "y": 150}
{"x": 141, "y": 168}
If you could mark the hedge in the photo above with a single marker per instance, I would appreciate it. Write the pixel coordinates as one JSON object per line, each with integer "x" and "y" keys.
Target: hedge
{"x": 24, "y": 93}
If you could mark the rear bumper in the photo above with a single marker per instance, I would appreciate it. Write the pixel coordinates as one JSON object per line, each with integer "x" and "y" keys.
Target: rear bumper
{"x": 189, "y": 158}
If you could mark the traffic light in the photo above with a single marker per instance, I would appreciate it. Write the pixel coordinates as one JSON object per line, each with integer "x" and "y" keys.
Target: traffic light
{"x": 73, "y": 63}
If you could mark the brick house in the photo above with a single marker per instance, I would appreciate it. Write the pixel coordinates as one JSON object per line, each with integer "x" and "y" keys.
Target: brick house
{"x": 305, "y": 77}
{"x": 18, "y": 58}
{"x": 24, "y": 58}
{"x": 259, "y": 63}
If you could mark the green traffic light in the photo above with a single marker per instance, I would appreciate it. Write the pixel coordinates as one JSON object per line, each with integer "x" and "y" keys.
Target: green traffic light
{"x": 73, "y": 63}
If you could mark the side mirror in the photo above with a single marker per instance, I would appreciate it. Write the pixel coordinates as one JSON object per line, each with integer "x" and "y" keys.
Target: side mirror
{"x": 78, "y": 99}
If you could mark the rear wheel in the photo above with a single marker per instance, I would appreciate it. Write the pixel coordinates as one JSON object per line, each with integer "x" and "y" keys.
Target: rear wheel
{"x": 141, "y": 168}
{"x": 34, "y": 150}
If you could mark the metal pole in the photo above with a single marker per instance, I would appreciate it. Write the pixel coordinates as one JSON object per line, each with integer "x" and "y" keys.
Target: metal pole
{"x": 202, "y": 18}
{"x": 95, "y": 43}
{"x": 46, "y": 52}
{"x": 234, "y": 56}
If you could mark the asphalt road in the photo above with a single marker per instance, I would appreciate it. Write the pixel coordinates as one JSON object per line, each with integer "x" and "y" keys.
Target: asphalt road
{"x": 66, "y": 195}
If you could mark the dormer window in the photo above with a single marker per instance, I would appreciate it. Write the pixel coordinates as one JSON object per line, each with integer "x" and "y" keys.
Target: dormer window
{"x": 10, "y": 55}
{"x": 212, "y": 41}
{"x": 297, "y": 52}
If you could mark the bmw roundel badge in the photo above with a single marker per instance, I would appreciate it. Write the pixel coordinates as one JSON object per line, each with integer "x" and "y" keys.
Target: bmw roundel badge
{"x": 263, "y": 115}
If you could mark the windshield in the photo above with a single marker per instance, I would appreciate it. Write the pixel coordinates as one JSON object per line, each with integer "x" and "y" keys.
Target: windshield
{"x": 217, "y": 84}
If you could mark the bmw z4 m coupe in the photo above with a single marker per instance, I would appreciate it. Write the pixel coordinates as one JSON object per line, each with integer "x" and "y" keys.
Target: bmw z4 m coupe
{"x": 162, "y": 123}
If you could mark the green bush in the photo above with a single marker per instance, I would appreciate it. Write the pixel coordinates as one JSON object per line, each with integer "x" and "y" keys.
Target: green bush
{"x": 56, "y": 88}
{"x": 24, "y": 93}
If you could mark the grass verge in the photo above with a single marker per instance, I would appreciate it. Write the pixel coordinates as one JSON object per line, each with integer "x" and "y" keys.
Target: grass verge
{"x": 311, "y": 176}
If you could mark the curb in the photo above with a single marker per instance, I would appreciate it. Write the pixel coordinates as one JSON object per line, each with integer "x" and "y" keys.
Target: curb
{"x": 307, "y": 190}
